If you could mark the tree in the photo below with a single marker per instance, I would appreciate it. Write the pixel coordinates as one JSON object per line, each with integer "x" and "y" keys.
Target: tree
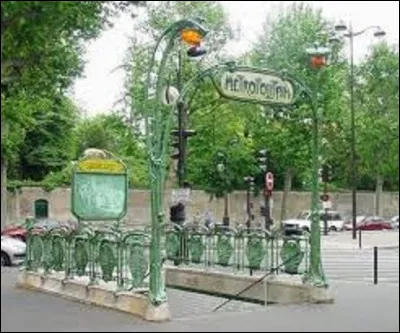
{"x": 49, "y": 143}
{"x": 378, "y": 117}
{"x": 286, "y": 131}
{"x": 112, "y": 133}
{"x": 41, "y": 48}
{"x": 159, "y": 16}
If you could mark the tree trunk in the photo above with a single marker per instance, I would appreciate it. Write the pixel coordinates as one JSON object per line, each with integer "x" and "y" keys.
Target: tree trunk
{"x": 3, "y": 193}
{"x": 226, "y": 205}
{"x": 378, "y": 193}
{"x": 286, "y": 189}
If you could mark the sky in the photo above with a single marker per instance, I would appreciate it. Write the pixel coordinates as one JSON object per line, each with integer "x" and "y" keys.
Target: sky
{"x": 102, "y": 83}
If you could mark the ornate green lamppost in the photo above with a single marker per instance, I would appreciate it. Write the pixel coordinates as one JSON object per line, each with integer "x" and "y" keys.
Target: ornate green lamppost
{"x": 318, "y": 59}
{"x": 158, "y": 122}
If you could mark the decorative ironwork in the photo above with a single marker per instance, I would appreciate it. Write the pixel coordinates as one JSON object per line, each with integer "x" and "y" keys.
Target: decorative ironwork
{"x": 224, "y": 249}
{"x": 37, "y": 250}
{"x": 291, "y": 255}
{"x": 81, "y": 256}
{"x": 172, "y": 244}
{"x": 138, "y": 264}
{"x": 58, "y": 253}
{"x": 255, "y": 251}
{"x": 196, "y": 248}
{"x": 107, "y": 260}
{"x": 122, "y": 256}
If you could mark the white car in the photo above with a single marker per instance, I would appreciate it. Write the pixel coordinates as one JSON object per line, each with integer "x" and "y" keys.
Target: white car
{"x": 13, "y": 251}
{"x": 303, "y": 221}
{"x": 395, "y": 222}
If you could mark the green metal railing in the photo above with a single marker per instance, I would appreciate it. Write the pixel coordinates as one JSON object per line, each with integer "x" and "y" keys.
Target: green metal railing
{"x": 112, "y": 255}
{"x": 236, "y": 250}
{"x": 121, "y": 256}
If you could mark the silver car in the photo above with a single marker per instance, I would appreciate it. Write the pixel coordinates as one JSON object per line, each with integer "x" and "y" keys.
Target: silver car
{"x": 395, "y": 222}
{"x": 13, "y": 251}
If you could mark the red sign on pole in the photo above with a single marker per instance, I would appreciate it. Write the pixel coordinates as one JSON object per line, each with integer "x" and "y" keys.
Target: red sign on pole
{"x": 269, "y": 181}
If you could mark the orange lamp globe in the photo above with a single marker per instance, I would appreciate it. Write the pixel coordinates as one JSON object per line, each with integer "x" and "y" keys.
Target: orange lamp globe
{"x": 190, "y": 36}
{"x": 318, "y": 61}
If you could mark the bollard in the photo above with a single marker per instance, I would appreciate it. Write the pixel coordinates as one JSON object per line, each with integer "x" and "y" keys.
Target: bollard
{"x": 359, "y": 239}
{"x": 375, "y": 265}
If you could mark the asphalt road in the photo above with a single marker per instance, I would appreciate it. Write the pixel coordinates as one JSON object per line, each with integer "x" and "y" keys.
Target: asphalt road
{"x": 358, "y": 308}
{"x": 358, "y": 264}
{"x": 347, "y": 264}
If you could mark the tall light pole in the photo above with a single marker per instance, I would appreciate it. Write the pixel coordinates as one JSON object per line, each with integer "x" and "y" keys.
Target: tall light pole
{"x": 318, "y": 59}
{"x": 349, "y": 33}
{"x": 158, "y": 122}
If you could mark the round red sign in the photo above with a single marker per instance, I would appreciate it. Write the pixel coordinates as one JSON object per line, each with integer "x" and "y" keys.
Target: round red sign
{"x": 269, "y": 181}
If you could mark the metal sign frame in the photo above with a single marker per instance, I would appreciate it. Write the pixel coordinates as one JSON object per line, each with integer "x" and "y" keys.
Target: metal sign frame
{"x": 95, "y": 166}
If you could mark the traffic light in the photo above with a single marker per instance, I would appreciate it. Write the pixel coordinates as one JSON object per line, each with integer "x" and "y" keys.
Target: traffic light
{"x": 324, "y": 197}
{"x": 326, "y": 173}
{"x": 262, "y": 157}
{"x": 179, "y": 142}
{"x": 177, "y": 213}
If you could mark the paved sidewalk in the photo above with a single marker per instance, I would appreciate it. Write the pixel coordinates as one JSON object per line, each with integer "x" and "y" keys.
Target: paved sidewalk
{"x": 358, "y": 308}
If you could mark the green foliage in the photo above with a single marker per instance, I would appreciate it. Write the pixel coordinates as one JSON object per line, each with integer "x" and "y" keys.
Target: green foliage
{"x": 112, "y": 133}
{"x": 42, "y": 48}
{"x": 41, "y": 55}
{"x": 49, "y": 143}
{"x": 287, "y": 132}
{"x": 159, "y": 16}
{"x": 378, "y": 117}
{"x": 220, "y": 132}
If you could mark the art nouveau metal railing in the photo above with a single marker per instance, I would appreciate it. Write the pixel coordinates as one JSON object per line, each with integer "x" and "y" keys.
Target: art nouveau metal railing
{"x": 120, "y": 256}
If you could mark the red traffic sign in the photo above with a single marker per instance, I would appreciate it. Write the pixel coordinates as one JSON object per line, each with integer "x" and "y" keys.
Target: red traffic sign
{"x": 269, "y": 181}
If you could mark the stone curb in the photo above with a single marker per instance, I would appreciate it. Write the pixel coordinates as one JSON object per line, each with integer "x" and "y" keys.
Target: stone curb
{"x": 133, "y": 303}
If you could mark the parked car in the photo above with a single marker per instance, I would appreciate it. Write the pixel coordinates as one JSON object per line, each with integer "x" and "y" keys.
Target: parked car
{"x": 395, "y": 222}
{"x": 13, "y": 251}
{"x": 19, "y": 231}
{"x": 374, "y": 223}
{"x": 348, "y": 223}
{"x": 303, "y": 221}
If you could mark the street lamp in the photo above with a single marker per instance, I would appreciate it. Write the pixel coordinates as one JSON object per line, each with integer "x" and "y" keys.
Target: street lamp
{"x": 349, "y": 33}
{"x": 318, "y": 58}
{"x": 157, "y": 128}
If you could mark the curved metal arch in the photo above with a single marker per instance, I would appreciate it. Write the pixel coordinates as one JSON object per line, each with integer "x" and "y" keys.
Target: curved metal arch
{"x": 315, "y": 274}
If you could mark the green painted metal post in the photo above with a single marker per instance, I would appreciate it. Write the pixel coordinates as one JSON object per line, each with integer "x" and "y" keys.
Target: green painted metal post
{"x": 316, "y": 273}
{"x": 158, "y": 126}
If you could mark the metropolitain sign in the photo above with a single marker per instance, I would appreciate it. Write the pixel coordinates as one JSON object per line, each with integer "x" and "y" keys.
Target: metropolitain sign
{"x": 256, "y": 87}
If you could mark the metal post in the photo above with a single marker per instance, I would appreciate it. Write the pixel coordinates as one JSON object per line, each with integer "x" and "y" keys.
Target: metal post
{"x": 316, "y": 273}
{"x": 325, "y": 211}
{"x": 158, "y": 127}
{"x": 353, "y": 137}
{"x": 359, "y": 239}
{"x": 267, "y": 210}
{"x": 375, "y": 265}
{"x": 325, "y": 221}
{"x": 181, "y": 126}
{"x": 248, "y": 206}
